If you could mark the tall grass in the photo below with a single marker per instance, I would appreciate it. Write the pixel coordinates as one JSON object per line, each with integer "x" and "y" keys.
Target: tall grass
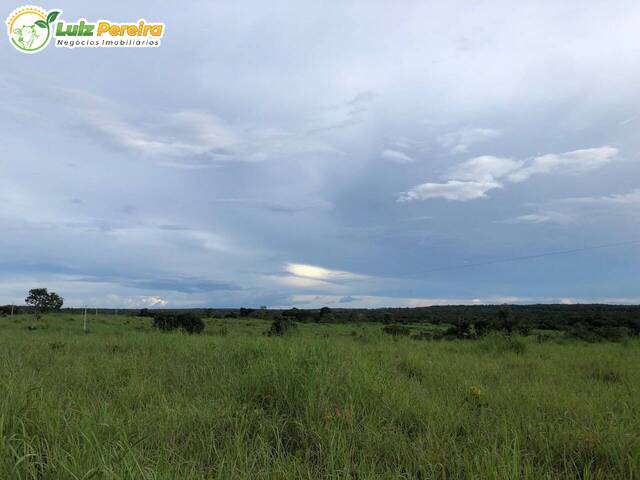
{"x": 126, "y": 402}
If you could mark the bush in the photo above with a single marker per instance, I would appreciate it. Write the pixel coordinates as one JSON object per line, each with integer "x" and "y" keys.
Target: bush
{"x": 165, "y": 322}
{"x": 187, "y": 322}
{"x": 396, "y": 329}
{"x": 460, "y": 330}
{"x": 281, "y": 326}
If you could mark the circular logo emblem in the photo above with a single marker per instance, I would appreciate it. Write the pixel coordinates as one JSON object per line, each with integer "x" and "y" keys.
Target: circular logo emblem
{"x": 30, "y": 28}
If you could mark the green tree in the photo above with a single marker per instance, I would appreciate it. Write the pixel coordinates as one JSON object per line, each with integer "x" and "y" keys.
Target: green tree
{"x": 42, "y": 301}
{"x": 506, "y": 319}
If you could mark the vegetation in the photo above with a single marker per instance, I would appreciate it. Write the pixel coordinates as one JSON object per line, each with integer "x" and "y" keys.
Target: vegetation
{"x": 186, "y": 321}
{"x": 281, "y": 326}
{"x": 395, "y": 329}
{"x": 327, "y": 400}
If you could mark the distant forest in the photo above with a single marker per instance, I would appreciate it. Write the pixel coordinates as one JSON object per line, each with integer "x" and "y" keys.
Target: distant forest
{"x": 536, "y": 316}
{"x": 591, "y": 322}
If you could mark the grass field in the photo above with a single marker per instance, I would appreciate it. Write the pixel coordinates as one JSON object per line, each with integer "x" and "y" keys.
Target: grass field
{"x": 328, "y": 401}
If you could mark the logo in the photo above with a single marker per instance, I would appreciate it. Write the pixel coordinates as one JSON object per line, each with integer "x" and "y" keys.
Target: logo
{"x": 32, "y": 28}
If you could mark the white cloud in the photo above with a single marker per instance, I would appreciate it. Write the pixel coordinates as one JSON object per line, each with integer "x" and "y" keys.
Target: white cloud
{"x": 578, "y": 209}
{"x": 606, "y": 300}
{"x": 396, "y": 156}
{"x": 178, "y": 134}
{"x": 543, "y": 217}
{"x": 630, "y": 198}
{"x": 475, "y": 177}
{"x": 120, "y": 301}
{"x": 486, "y": 168}
{"x": 576, "y": 162}
{"x": 302, "y": 276}
{"x": 451, "y": 190}
{"x": 416, "y": 219}
{"x": 188, "y": 138}
{"x": 153, "y": 301}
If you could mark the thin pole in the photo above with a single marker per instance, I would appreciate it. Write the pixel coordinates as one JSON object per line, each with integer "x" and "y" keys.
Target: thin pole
{"x": 85, "y": 320}
{"x": 12, "y": 310}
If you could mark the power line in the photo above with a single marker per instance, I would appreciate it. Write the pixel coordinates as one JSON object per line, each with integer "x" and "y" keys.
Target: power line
{"x": 530, "y": 257}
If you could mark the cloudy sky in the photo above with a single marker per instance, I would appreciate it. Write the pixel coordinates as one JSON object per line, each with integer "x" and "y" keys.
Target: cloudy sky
{"x": 341, "y": 153}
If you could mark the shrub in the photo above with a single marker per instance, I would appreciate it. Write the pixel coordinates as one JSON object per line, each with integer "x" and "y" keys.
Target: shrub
{"x": 165, "y": 322}
{"x": 189, "y": 322}
{"x": 461, "y": 330}
{"x": 281, "y": 326}
{"x": 396, "y": 329}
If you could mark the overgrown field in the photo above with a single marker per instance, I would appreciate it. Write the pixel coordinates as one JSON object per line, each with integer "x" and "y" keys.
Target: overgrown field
{"x": 327, "y": 401}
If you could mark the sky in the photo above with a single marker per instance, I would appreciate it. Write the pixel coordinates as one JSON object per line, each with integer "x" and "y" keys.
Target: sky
{"x": 339, "y": 153}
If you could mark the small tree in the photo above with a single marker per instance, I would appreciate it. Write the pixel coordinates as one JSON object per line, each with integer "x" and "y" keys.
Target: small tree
{"x": 506, "y": 320}
{"x": 42, "y": 301}
{"x": 325, "y": 315}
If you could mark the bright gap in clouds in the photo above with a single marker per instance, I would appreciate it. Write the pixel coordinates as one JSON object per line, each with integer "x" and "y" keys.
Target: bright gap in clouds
{"x": 320, "y": 273}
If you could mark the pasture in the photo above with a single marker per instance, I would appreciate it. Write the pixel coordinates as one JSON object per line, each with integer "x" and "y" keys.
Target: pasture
{"x": 338, "y": 401}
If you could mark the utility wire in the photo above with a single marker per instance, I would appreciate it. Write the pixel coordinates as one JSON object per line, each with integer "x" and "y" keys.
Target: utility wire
{"x": 529, "y": 257}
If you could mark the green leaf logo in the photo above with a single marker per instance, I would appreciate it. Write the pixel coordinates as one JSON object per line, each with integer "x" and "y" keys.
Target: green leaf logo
{"x": 52, "y": 16}
{"x": 30, "y": 28}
